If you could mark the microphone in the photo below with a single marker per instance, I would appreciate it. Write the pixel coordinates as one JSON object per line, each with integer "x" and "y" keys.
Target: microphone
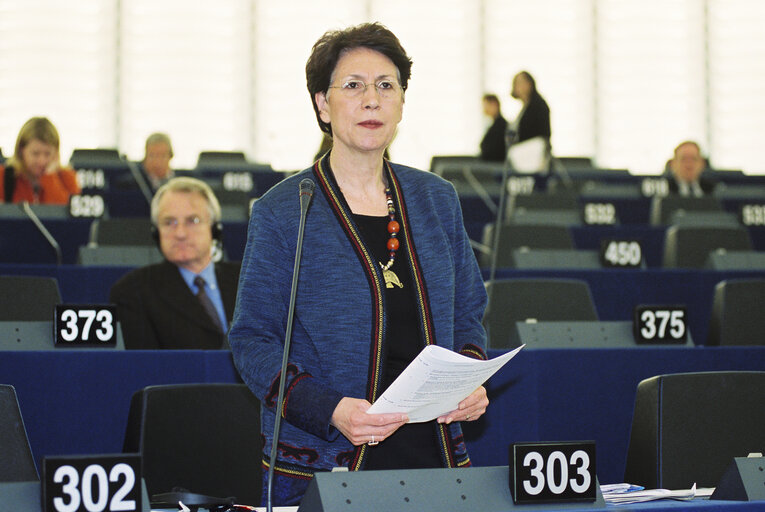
{"x": 306, "y": 194}
{"x": 140, "y": 181}
{"x": 499, "y": 220}
{"x": 24, "y": 205}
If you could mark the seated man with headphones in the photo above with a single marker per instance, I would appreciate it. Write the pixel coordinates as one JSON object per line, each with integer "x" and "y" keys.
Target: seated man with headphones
{"x": 187, "y": 301}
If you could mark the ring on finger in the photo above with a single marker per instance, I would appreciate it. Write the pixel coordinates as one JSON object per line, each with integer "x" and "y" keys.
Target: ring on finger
{"x": 373, "y": 442}
{"x": 468, "y": 417}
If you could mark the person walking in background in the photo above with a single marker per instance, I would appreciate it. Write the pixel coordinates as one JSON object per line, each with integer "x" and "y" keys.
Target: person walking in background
{"x": 534, "y": 118}
{"x": 493, "y": 144}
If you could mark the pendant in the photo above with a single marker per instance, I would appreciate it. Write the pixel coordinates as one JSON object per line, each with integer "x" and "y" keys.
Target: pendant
{"x": 391, "y": 279}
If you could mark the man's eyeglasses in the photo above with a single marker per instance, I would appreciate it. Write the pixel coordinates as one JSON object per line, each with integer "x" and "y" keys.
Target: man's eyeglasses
{"x": 171, "y": 223}
{"x": 356, "y": 88}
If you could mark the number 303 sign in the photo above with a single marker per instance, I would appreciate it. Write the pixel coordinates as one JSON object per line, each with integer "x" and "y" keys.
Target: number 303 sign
{"x": 553, "y": 472}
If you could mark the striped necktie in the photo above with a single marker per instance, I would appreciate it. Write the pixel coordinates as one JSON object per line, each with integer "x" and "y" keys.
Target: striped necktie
{"x": 204, "y": 299}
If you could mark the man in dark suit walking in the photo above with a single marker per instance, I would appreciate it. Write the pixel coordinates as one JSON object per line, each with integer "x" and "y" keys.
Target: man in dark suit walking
{"x": 187, "y": 301}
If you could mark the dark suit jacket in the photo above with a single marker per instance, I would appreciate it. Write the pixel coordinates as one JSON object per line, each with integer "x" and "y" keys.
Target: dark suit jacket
{"x": 535, "y": 121}
{"x": 493, "y": 146}
{"x": 707, "y": 185}
{"x": 156, "y": 308}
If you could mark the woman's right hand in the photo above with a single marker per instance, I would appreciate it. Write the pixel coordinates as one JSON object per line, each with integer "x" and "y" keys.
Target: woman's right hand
{"x": 351, "y": 419}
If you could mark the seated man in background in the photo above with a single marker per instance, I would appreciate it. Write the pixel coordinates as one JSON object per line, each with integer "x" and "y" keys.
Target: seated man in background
{"x": 686, "y": 167}
{"x": 156, "y": 160}
{"x": 493, "y": 147}
{"x": 187, "y": 301}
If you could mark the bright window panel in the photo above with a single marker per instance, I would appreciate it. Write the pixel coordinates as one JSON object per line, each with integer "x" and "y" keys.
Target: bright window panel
{"x": 57, "y": 59}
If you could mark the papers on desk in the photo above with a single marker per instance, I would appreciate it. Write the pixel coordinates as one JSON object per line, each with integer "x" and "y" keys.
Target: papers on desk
{"x": 436, "y": 382}
{"x": 625, "y": 494}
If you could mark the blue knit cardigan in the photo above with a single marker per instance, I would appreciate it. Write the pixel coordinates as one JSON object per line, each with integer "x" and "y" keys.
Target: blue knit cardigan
{"x": 338, "y": 336}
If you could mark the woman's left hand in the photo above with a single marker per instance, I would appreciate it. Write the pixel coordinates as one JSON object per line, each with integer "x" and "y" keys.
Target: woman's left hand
{"x": 470, "y": 409}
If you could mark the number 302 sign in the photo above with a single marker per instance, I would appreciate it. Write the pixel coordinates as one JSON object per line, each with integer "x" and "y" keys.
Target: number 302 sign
{"x": 92, "y": 484}
{"x": 553, "y": 472}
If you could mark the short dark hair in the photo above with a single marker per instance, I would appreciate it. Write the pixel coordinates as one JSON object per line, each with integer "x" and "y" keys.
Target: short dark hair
{"x": 491, "y": 98}
{"x": 331, "y": 46}
{"x": 688, "y": 143}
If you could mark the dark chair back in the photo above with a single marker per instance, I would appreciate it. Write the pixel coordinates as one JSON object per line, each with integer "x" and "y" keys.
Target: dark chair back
{"x": 121, "y": 231}
{"x": 16, "y": 461}
{"x": 201, "y": 437}
{"x": 518, "y": 300}
{"x": 690, "y": 246}
{"x": 737, "y": 317}
{"x": 28, "y": 298}
{"x": 515, "y": 236}
{"x": 663, "y": 208}
{"x": 688, "y": 427}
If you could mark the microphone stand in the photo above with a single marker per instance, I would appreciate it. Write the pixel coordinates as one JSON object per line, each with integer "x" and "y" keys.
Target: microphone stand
{"x": 506, "y": 168}
{"x": 306, "y": 193}
{"x": 41, "y": 227}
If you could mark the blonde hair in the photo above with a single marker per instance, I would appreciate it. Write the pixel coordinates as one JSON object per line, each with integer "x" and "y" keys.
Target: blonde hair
{"x": 189, "y": 185}
{"x": 37, "y": 128}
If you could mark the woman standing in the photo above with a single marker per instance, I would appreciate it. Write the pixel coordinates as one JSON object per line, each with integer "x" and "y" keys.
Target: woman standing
{"x": 534, "y": 117}
{"x": 387, "y": 268}
{"x": 34, "y": 173}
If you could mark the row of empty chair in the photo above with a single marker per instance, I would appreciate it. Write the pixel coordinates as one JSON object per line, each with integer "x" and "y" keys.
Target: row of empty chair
{"x": 567, "y": 303}
{"x": 735, "y": 318}
{"x": 676, "y": 439}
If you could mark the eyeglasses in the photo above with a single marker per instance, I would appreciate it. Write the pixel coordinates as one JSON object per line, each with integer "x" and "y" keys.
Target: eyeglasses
{"x": 356, "y": 88}
{"x": 171, "y": 223}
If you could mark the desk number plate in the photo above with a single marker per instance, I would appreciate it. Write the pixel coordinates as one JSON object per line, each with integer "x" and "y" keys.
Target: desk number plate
{"x": 92, "y": 483}
{"x": 85, "y": 325}
{"x": 553, "y": 472}
{"x": 660, "y": 324}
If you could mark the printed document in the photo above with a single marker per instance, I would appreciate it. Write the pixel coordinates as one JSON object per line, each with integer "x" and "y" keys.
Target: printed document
{"x": 436, "y": 382}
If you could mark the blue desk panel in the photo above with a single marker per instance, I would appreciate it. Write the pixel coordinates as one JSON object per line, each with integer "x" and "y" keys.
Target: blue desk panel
{"x": 76, "y": 402}
{"x": 615, "y": 291}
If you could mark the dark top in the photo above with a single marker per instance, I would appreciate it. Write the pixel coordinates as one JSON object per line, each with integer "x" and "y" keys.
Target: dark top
{"x": 414, "y": 445}
{"x": 535, "y": 121}
{"x": 157, "y": 310}
{"x": 707, "y": 186}
{"x": 493, "y": 146}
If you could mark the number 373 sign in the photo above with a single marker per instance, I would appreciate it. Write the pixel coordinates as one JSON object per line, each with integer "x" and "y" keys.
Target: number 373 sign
{"x": 85, "y": 324}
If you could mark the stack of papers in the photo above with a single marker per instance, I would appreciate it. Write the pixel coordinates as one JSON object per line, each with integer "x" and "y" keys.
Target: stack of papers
{"x": 436, "y": 382}
{"x": 625, "y": 494}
